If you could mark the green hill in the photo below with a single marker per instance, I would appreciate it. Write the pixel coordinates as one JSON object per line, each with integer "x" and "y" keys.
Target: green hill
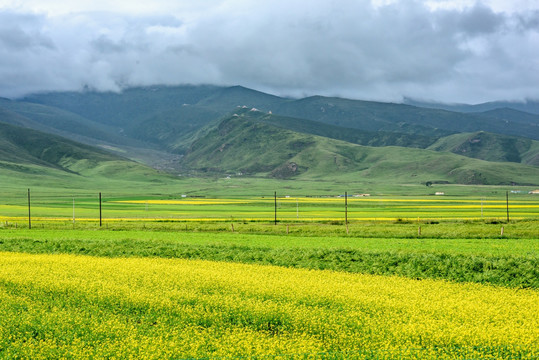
{"x": 157, "y": 125}
{"x": 27, "y": 151}
{"x": 528, "y": 106}
{"x": 491, "y": 147}
{"x": 512, "y": 115}
{"x": 243, "y": 144}
{"x": 172, "y": 130}
{"x": 133, "y": 107}
{"x": 376, "y": 116}
{"x": 229, "y": 98}
{"x": 356, "y": 136}
{"x": 61, "y": 122}
{"x": 126, "y": 108}
{"x": 141, "y": 146}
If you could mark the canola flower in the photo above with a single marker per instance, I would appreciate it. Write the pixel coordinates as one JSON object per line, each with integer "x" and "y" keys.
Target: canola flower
{"x": 55, "y": 306}
{"x": 184, "y": 202}
{"x": 262, "y": 209}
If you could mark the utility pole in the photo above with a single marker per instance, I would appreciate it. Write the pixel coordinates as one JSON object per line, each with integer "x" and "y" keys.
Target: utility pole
{"x": 345, "y": 208}
{"x": 507, "y": 204}
{"x": 275, "y": 202}
{"x": 100, "y": 213}
{"x": 29, "y": 216}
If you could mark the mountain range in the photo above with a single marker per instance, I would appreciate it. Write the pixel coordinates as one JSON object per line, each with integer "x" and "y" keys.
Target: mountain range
{"x": 204, "y": 130}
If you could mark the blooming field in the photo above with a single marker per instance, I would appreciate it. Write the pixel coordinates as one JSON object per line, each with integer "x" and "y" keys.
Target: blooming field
{"x": 262, "y": 209}
{"x": 82, "y": 307}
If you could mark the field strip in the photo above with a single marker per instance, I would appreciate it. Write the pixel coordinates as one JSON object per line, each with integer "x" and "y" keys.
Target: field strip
{"x": 477, "y": 206}
{"x": 184, "y": 202}
{"x": 88, "y": 307}
{"x": 283, "y": 219}
{"x": 209, "y": 201}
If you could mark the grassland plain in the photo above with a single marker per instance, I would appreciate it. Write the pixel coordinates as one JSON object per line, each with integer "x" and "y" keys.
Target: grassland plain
{"x": 467, "y": 255}
{"x": 94, "y": 307}
{"x": 265, "y": 208}
{"x": 172, "y": 277}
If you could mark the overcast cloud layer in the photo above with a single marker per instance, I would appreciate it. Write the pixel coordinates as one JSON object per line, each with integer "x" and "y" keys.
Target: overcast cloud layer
{"x": 449, "y": 51}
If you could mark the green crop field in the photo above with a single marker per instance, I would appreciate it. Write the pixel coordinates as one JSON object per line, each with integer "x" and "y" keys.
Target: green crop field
{"x": 258, "y": 290}
{"x": 289, "y": 209}
{"x": 213, "y": 276}
{"x": 188, "y": 227}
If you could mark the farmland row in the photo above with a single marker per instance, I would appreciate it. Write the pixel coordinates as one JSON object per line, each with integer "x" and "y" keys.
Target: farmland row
{"x": 505, "y": 262}
{"x": 323, "y": 209}
{"x": 85, "y": 307}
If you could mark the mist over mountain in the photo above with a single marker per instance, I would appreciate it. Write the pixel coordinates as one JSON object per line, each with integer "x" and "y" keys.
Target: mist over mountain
{"x": 453, "y": 51}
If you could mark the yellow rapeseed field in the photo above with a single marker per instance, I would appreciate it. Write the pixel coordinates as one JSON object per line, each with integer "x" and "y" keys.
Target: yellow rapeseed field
{"x": 300, "y": 209}
{"x": 189, "y": 201}
{"x": 54, "y": 306}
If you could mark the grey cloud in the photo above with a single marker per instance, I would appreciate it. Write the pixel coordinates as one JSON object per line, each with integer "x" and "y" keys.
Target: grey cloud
{"x": 347, "y": 48}
{"x": 343, "y": 49}
{"x": 528, "y": 21}
{"x": 105, "y": 45}
{"x": 21, "y": 31}
{"x": 480, "y": 20}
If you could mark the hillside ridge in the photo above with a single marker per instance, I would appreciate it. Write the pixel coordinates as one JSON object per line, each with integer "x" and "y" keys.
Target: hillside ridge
{"x": 245, "y": 144}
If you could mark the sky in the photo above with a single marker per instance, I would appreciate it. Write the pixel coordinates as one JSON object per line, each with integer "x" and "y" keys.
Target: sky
{"x": 452, "y": 51}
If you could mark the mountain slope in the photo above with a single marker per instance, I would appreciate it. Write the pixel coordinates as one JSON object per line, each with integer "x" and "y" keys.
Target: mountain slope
{"x": 356, "y": 136}
{"x": 157, "y": 125}
{"x": 69, "y": 125}
{"x": 227, "y": 99}
{"x": 512, "y": 115}
{"x": 58, "y": 121}
{"x": 528, "y": 106}
{"x": 491, "y": 147}
{"x": 125, "y": 108}
{"x": 134, "y": 106}
{"x": 376, "y": 116}
{"x": 172, "y": 129}
{"x": 27, "y": 151}
{"x": 243, "y": 144}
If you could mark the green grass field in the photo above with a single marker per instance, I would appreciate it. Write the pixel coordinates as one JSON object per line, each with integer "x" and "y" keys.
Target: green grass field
{"x": 285, "y": 208}
{"x": 509, "y": 260}
{"x": 212, "y": 277}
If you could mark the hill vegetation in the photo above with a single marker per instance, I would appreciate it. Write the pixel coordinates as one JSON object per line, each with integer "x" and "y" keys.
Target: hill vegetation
{"x": 137, "y": 106}
{"x": 207, "y": 130}
{"x": 491, "y": 147}
{"x": 27, "y": 152}
{"x": 247, "y": 144}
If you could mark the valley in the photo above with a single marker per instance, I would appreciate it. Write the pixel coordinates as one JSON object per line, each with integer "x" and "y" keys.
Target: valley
{"x": 209, "y": 222}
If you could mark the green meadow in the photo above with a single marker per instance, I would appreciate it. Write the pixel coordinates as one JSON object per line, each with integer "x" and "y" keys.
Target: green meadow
{"x": 293, "y": 209}
{"x": 200, "y": 269}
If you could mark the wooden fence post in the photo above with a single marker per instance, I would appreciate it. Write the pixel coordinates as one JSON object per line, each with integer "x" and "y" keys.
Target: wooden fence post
{"x": 29, "y": 215}
{"x": 275, "y": 203}
{"x": 100, "y": 213}
{"x": 507, "y": 204}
